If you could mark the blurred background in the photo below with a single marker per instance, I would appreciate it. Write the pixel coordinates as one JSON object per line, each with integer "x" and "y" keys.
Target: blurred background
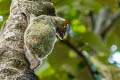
{"x": 91, "y": 49}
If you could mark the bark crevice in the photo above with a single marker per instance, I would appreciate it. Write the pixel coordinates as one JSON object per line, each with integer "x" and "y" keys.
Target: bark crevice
{"x": 13, "y": 63}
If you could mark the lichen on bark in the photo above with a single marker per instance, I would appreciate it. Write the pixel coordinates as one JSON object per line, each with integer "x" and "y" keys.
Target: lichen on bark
{"x": 13, "y": 63}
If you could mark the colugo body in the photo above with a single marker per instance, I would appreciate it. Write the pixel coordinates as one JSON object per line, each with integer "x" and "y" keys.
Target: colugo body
{"x": 40, "y": 37}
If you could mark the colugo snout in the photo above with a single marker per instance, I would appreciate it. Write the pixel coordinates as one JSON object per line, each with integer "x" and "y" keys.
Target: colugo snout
{"x": 40, "y": 37}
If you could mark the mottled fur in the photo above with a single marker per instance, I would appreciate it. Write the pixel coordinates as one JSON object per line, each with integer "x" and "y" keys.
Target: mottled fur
{"x": 40, "y": 37}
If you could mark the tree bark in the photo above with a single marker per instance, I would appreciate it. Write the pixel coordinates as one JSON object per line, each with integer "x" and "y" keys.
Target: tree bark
{"x": 13, "y": 63}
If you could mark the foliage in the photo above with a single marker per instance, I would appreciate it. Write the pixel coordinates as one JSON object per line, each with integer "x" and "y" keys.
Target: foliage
{"x": 4, "y": 10}
{"x": 64, "y": 63}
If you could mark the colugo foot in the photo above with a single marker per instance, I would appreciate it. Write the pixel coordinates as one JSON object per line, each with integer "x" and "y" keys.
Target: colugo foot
{"x": 34, "y": 63}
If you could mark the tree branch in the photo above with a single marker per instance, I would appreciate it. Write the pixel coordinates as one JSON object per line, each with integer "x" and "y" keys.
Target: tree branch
{"x": 82, "y": 56}
{"x": 92, "y": 19}
{"x": 103, "y": 15}
{"x": 13, "y": 62}
{"x": 110, "y": 23}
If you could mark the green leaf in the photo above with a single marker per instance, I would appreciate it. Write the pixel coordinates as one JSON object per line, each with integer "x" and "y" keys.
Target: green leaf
{"x": 95, "y": 42}
{"x": 4, "y": 9}
{"x": 59, "y": 55}
{"x": 113, "y": 37}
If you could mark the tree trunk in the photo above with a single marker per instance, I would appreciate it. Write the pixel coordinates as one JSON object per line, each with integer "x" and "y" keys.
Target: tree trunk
{"x": 13, "y": 63}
